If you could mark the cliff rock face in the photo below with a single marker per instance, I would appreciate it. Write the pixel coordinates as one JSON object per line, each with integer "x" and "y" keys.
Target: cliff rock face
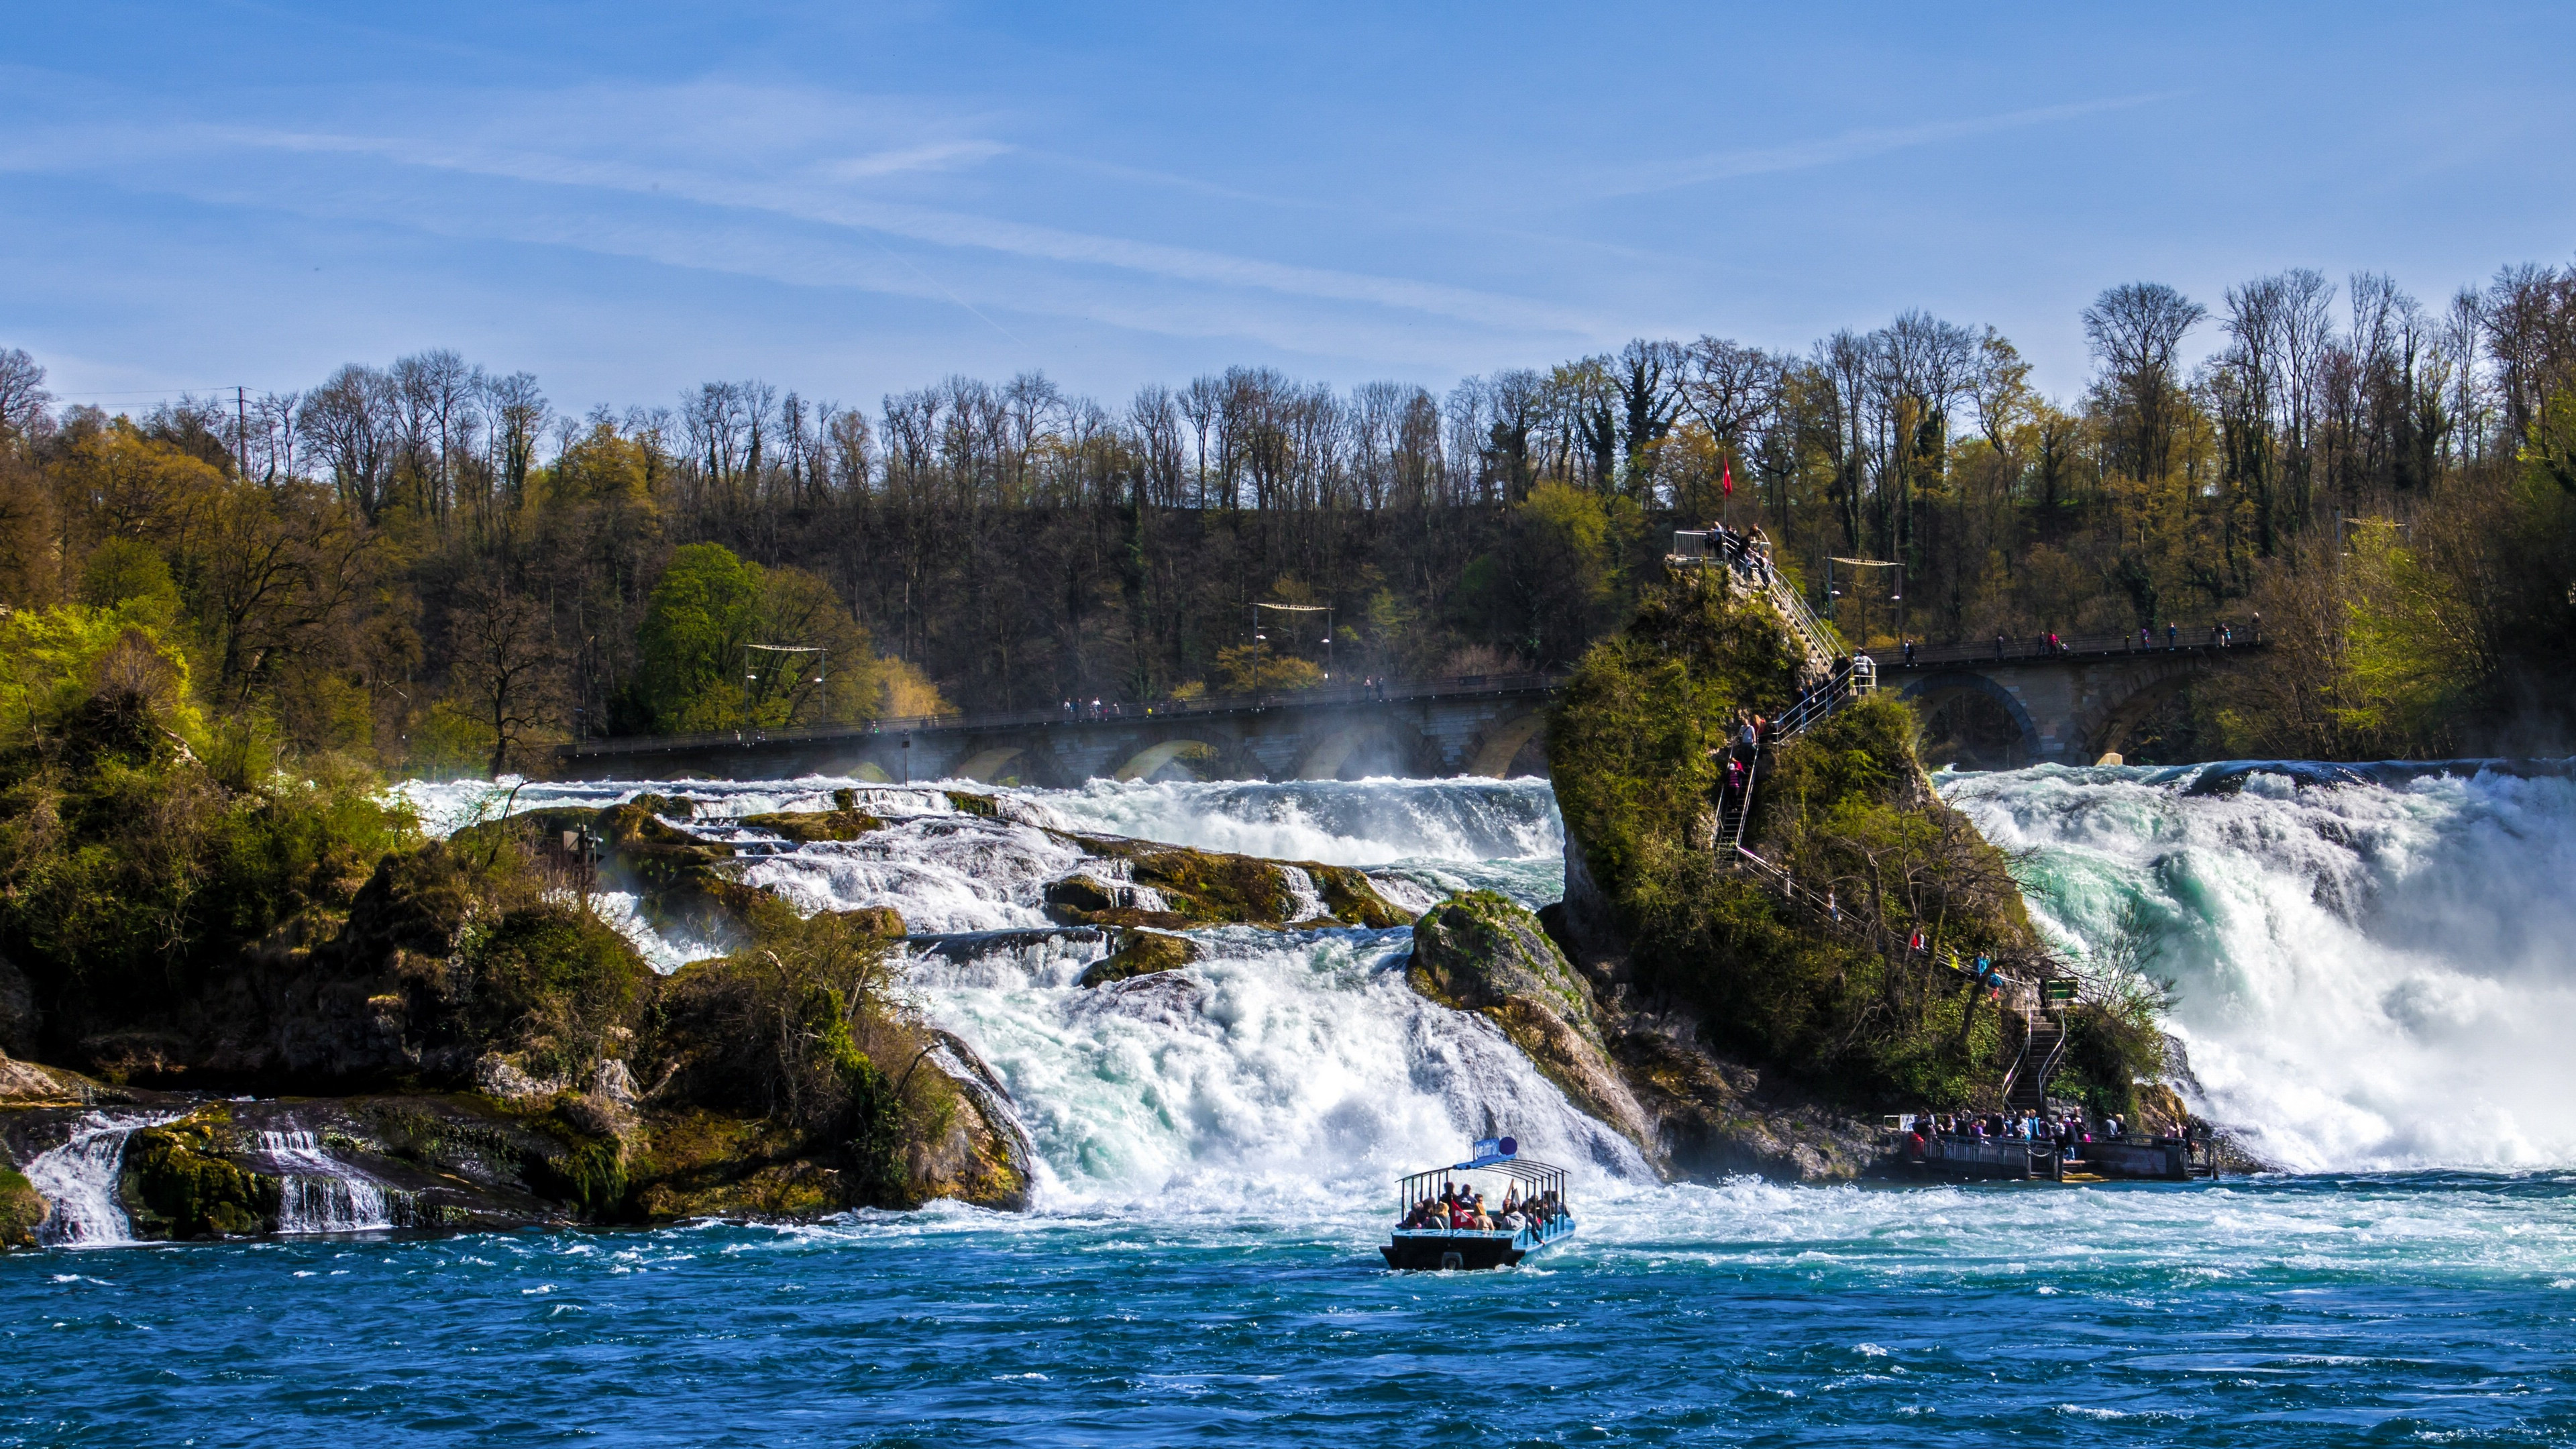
{"x": 20, "y": 1019}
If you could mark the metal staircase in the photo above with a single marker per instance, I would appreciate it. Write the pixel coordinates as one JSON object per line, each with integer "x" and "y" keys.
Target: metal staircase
{"x": 2043, "y": 1041}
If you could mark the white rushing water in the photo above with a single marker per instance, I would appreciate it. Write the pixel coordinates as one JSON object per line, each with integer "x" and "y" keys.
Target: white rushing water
{"x": 1298, "y": 1065}
{"x": 1295, "y": 1066}
{"x": 78, "y": 1181}
{"x": 2372, "y": 970}
{"x": 319, "y": 1194}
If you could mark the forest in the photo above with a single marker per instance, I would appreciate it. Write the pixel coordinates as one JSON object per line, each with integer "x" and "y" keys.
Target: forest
{"x": 426, "y": 568}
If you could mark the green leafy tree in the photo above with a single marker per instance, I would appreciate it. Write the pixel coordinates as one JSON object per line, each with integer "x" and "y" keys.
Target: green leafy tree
{"x": 703, "y": 665}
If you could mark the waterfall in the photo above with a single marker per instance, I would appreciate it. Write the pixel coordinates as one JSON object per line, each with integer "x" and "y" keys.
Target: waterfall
{"x": 78, "y": 1180}
{"x": 1301, "y": 1070}
{"x": 317, "y": 1194}
{"x": 1304, "y": 904}
{"x": 2373, "y": 965}
{"x": 1292, "y": 1071}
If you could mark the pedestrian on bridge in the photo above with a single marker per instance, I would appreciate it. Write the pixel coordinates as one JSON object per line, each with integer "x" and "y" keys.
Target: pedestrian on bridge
{"x": 2173, "y": 634}
{"x": 1909, "y": 653}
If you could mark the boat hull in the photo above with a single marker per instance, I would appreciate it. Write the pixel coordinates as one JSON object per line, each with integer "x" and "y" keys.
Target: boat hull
{"x": 1437, "y": 1252}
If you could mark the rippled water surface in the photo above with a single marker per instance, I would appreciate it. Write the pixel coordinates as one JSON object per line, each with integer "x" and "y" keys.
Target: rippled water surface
{"x": 2308, "y": 1311}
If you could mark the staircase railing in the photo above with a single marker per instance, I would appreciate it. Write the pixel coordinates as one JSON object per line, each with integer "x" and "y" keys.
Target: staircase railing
{"x": 2047, "y": 1065}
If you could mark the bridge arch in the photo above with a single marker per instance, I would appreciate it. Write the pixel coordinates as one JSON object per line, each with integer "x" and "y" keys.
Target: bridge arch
{"x": 1145, "y": 763}
{"x": 986, "y": 766}
{"x": 2106, "y": 728}
{"x": 1501, "y": 743}
{"x": 1929, "y": 694}
{"x": 1370, "y": 742}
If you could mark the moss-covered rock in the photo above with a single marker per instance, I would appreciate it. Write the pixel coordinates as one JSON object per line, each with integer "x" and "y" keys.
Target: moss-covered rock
{"x": 1486, "y": 953}
{"x": 1482, "y": 948}
{"x": 1353, "y": 899}
{"x": 970, "y": 802}
{"x": 883, "y": 923}
{"x": 1141, "y": 953}
{"x": 178, "y": 1182}
{"x": 1190, "y": 887}
{"x": 809, "y": 826}
{"x": 21, "y": 1209}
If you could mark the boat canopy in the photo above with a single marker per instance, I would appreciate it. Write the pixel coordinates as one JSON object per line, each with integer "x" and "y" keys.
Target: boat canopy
{"x": 1499, "y": 1156}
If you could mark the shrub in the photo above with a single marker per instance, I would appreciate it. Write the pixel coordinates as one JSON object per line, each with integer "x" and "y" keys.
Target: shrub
{"x": 799, "y": 1026}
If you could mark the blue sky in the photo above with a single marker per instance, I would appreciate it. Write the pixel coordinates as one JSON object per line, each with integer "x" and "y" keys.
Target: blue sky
{"x": 849, "y": 200}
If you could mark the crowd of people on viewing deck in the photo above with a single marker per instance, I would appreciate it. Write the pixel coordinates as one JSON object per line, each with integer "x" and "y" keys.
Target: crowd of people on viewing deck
{"x": 2068, "y": 1134}
{"x": 1462, "y": 1209}
{"x": 1753, "y": 546}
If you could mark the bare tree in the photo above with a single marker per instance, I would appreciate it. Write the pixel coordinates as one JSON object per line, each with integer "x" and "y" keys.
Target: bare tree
{"x": 23, "y": 398}
{"x": 506, "y": 663}
{"x": 2135, "y": 331}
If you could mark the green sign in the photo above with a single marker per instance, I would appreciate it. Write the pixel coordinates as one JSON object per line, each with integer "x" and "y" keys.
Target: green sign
{"x": 2057, "y": 990}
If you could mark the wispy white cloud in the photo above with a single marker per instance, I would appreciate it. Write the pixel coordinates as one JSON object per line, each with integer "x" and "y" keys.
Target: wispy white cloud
{"x": 938, "y": 156}
{"x": 744, "y": 243}
{"x": 815, "y": 201}
{"x": 1850, "y": 146}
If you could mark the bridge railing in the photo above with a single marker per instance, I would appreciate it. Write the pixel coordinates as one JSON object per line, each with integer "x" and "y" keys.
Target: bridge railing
{"x": 1389, "y": 692}
{"x": 2190, "y": 639}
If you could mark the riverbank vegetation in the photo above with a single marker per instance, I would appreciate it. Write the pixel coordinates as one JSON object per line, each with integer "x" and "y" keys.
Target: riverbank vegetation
{"x": 428, "y": 566}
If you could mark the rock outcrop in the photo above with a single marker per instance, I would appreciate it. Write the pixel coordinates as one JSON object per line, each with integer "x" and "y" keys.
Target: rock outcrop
{"x": 1141, "y": 953}
{"x": 1483, "y": 952}
{"x": 1176, "y": 887}
{"x": 1694, "y": 1113}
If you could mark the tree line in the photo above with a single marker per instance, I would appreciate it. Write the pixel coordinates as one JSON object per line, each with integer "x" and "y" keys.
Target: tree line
{"x": 429, "y": 565}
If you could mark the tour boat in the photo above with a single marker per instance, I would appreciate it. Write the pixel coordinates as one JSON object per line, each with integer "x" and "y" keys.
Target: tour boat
{"x": 1498, "y": 1173}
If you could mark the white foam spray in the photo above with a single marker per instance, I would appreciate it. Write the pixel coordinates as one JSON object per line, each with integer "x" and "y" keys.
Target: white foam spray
{"x": 1281, "y": 1072}
{"x": 2370, "y": 974}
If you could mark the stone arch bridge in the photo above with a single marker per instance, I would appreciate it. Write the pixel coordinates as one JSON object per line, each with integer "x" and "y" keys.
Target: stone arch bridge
{"x": 2069, "y": 707}
{"x": 2022, "y": 704}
